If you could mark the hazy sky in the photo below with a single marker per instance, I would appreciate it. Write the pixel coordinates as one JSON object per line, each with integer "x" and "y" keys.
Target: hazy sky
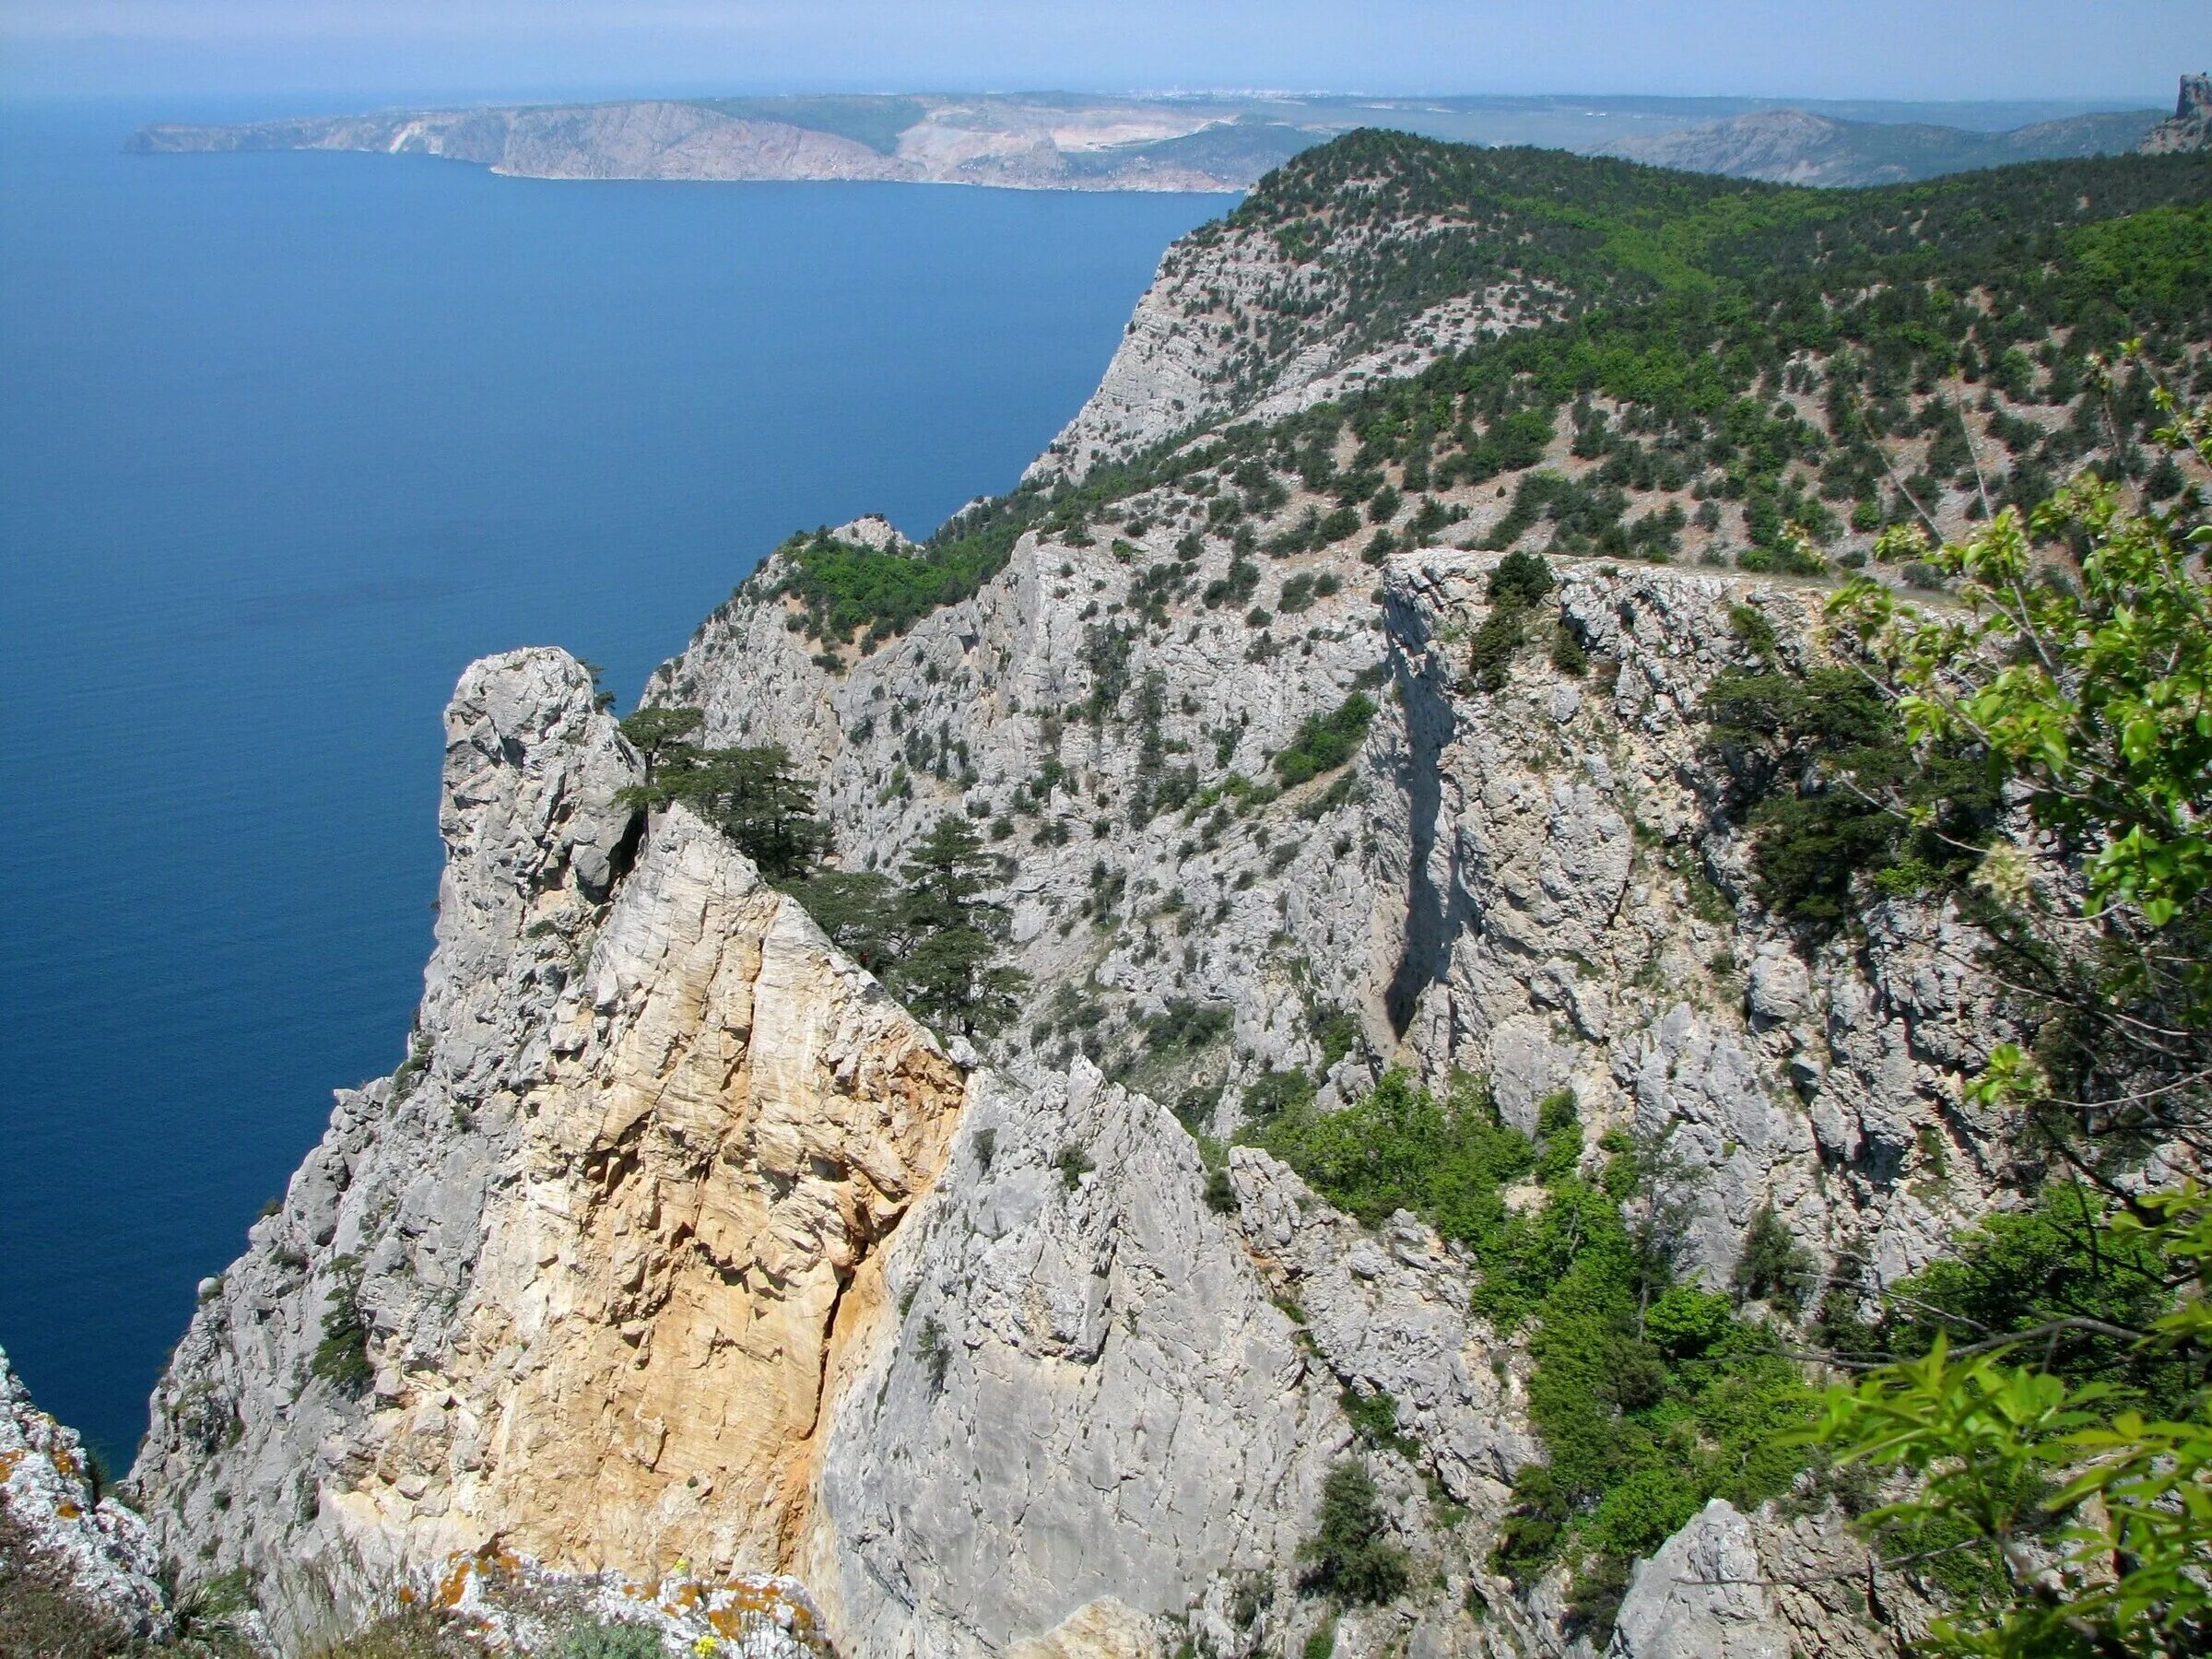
{"x": 2126, "y": 51}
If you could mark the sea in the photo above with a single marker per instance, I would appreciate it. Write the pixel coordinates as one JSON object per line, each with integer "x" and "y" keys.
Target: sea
{"x": 286, "y": 441}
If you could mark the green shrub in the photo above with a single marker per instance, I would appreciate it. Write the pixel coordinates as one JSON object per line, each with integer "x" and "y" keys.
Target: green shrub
{"x": 1399, "y": 1147}
{"x": 842, "y": 588}
{"x": 1352, "y": 1555}
{"x": 1520, "y": 580}
{"x": 1685, "y": 1320}
{"x": 1804, "y": 753}
{"x": 1189, "y": 1025}
{"x": 1567, "y": 653}
{"x": 1073, "y": 1163}
{"x": 1775, "y": 1267}
{"x": 1490, "y": 657}
{"x": 1220, "y": 1193}
{"x": 1650, "y": 1397}
{"x": 1273, "y": 1093}
{"x": 1374, "y": 1418}
{"x": 1337, "y": 526}
{"x": 591, "y": 1639}
{"x": 341, "y": 1359}
{"x": 934, "y": 1352}
{"x": 1326, "y": 741}
{"x": 2061, "y": 1260}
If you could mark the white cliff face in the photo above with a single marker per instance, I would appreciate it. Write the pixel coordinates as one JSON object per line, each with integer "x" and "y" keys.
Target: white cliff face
{"x": 677, "y": 1249}
{"x": 1046, "y": 668}
{"x": 1088, "y": 1395}
{"x": 603, "y": 1232}
{"x": 1579, "y": 917}
{"x": 684, "y": 1259}
{"x": 1735, "y": 1586}
{"x": 1537, "y": 884}
{"x": 678, "y": 1254}
{"x": 1234, "y": 326}
{"x": 101, "y": 1549}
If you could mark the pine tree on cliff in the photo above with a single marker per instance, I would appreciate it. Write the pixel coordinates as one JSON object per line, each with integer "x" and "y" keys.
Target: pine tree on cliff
{"x": 948, "y": 973}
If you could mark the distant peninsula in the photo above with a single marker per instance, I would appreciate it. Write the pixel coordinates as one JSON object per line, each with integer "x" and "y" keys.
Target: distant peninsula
{"x": 1194, "y": 142}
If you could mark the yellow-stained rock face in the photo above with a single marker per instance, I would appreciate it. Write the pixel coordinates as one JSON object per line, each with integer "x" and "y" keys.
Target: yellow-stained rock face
{"x": 730, "y": 1121}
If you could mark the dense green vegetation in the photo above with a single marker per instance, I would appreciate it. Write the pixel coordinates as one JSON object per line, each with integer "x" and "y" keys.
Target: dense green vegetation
{"x": 1325, "y": 742}
{"x": 1808, "y": 754}
{"x": 1785, "y": 353}
{"x": 1650, "y": 1395}
{"x": 842, "y": 588}
{"x": 341, "y": 1358}
{"x": 1518, "y": 584}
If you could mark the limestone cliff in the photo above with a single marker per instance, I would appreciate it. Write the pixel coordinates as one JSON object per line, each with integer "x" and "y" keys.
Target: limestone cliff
{"x": 1535, "y": 884}
{"x": 1234, "y": 325}
{"x": 1009, "y": 141}
{"x": 2190, "y": 125}
{"x": 680, "y": 1256}
{"x": 579, "y": 1280}
{"x": 55, "y": 1522}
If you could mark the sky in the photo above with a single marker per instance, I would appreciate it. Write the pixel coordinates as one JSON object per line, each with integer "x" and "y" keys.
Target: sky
{"x": 2123, "y": 52}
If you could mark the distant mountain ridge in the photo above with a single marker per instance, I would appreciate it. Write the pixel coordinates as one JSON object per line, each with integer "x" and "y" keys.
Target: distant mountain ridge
{"x": 1211, "y": 142}
{"x": 1797, "y": 146}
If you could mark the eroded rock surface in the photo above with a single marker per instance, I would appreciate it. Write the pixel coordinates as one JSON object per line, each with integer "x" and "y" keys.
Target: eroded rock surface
{"x": 99, "y": 1547}
{"x": 577, "y": 1279}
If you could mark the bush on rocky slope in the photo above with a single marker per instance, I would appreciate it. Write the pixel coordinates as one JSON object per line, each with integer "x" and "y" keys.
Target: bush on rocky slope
{"x": 2070, "y": 1347}
{"x": 1779, "y": 350}
{"x": 1650, "y": 1397}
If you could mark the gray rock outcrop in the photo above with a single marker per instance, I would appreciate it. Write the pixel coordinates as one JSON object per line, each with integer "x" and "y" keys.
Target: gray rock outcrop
{"x": 94, "y": 1546}
{"x": 2190, "y": 126}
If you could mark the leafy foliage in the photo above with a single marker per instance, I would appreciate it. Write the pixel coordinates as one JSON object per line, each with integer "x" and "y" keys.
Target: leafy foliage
{"x": 1650, "y": 1397}
{"x": 1352, "y": 1554}
{"x": 1811, "y": 756}
{"x": 946, "y": 971}
{"x": 750, "y": 794}
{"x": 1773, "y": 1265}
{"x": 842, "y": 588}
{"x": 1326, "y": 741}
{"x": 1517, "y": 586}
{"x": 2092, "y": 700}
{"x": 934, "y": 941}
{"x": 341, "y": 1358}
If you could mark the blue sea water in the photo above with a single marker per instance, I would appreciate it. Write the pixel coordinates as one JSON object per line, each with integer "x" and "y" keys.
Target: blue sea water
{"x": 285, "y": 441}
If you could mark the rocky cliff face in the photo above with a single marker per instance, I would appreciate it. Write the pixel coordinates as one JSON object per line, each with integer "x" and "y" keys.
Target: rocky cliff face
{"x": 55, "y": 1523}
{"x": 2190, "y": 126}
{"x": 678, "y": 1256}
{"x": 677, "y": 1248}
{"x": 1236, "y": 325}
{"x": 1537, "y": 884}
{"x": 578, "y": 1280}
{"x": 1010, "y": 141}
{"x": 681, "y": 1269}
{"x": 651, "y": 139}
